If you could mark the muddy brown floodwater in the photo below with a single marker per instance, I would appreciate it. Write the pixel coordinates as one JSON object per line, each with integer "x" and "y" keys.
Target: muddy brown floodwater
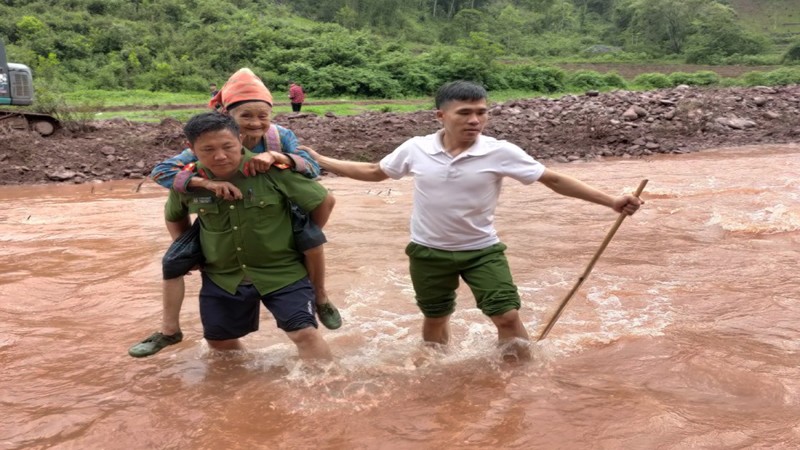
{"x": 686, "y": 334}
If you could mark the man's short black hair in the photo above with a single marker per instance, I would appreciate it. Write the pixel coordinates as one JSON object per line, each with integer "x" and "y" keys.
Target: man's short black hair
{"x": 460, "y": 90}
{"x": 207, "y": 122}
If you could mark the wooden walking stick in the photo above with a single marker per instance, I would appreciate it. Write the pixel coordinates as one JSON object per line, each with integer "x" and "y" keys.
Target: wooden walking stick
{"x": 586, "y": 272}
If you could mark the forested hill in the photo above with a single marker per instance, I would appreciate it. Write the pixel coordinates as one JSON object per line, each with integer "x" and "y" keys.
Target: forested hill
{"x": 382, "y": 48}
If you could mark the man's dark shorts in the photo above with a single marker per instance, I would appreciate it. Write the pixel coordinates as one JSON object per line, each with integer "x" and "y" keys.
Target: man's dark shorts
{"x": 226, "y": 316}
{"x": 185, "y": 252}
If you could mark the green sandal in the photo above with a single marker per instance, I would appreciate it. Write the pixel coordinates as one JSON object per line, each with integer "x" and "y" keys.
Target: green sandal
{"x": 329, "y": 315}
{"x": 154, "y": 343}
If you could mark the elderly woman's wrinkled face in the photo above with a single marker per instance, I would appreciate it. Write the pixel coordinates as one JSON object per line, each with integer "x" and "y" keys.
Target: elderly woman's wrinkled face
{"x": 253, "y": 119}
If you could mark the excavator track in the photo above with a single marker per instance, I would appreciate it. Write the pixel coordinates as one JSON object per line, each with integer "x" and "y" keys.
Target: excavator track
{"x": 43, "y": 124}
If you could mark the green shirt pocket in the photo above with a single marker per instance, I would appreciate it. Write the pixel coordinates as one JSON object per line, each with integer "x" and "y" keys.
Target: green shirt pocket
{"x": 210, "y": 216}
{"x": 264, "y": 211}
{"x": 202, "y": 209}
{"x": 264, "y": 201}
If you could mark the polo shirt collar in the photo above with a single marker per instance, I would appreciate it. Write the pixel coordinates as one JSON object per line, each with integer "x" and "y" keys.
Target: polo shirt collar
{"x": 475, "y": 150}
{"x": 246, "y": 156}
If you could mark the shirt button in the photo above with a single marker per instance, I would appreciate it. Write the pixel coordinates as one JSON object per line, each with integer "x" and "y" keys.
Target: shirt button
{"x": 235, "y": 228}
{"x": 233, "y": 207}
{"x": 244, "y": 266}
{"x": 261, "y": 203}
{"x": 238, "y": 249}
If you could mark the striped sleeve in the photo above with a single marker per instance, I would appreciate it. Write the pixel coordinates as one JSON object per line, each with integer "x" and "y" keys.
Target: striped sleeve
{"x": 171, "y": 174}
{"x": 303, "y": 162}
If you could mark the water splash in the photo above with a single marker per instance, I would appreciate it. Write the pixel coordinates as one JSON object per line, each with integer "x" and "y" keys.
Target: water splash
{"x": 769, "y": 220}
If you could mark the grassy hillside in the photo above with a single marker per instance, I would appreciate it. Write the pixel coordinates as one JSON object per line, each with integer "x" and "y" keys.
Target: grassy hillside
{"x": 780, "y": 19}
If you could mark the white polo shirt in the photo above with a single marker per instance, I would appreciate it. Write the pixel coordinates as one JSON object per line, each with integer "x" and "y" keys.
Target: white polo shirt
{"x": 455, "y": 198}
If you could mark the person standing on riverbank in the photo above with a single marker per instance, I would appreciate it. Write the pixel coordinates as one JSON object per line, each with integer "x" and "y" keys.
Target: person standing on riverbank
{"x": 458, "y": 173}
{"x": 296, "y": 96}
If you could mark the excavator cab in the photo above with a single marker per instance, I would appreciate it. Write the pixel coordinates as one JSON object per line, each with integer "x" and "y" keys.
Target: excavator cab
{"x": 16, "y": 89}
{"x": 16, "y": 82}
{"x": 16, "y": 85}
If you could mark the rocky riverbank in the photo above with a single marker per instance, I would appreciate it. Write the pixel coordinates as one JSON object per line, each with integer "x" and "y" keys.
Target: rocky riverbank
{"x": 573, "y": 127}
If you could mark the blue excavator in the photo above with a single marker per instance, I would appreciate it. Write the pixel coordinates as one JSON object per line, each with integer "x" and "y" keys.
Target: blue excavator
{"x": 16, "y": 89}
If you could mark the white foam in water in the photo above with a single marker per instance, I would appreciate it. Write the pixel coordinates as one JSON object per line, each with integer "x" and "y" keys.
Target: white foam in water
{"x": 636, "y": 316}
{"x": 380, "y": 352}
{"x": 705, "y": 184}
{"x": 648, "y": 320}
{"x": 400, "y": 281}
{"x": 774, "y": 219}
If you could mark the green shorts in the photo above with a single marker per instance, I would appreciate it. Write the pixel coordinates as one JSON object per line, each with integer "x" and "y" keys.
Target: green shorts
{"x": 435, "y": 273}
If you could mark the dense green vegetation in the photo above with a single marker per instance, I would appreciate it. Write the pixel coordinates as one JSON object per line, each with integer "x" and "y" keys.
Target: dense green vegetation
{"x": 779, "y": 19}
{"x": 368, "y": 48}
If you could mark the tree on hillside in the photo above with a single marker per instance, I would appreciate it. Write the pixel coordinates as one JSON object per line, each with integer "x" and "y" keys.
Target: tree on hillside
{"x": 449, "y": 8}
{"x": 718, "y": 34}
{"x": 660, "y": 25}
{"x": 587, "y": 9}
{"x": 346, "y": 17}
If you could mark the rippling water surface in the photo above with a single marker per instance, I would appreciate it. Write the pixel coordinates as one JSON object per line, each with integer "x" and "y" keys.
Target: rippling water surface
{"x": 686, "y": 334}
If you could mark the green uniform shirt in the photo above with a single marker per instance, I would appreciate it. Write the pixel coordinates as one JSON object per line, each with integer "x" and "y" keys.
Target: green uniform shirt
{"x": 250, "y": 238}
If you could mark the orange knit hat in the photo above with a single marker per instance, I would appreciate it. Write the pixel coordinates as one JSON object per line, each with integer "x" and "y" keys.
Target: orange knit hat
{"x": 242, "y": 86}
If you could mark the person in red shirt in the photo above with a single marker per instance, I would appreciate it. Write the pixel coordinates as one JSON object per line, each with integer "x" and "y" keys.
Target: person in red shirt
{"x": 296, "y": 96}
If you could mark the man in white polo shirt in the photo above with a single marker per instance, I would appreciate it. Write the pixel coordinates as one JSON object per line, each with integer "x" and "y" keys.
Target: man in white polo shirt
{"x": 457, "y": 174}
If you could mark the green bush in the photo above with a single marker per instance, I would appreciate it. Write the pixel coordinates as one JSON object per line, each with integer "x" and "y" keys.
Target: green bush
{"x": 783, "y": 76}
{"x": 586, "y": 79}
{"x": 590, "y": 79}
{"x": 652, "y": 81}
{"x": 614, "y": 80}
{"x": 298, "y": 70}
{"x": 535, "y": 78}
{"x": 97, "y": 7}
{"x": 414, "y": 75}
{"x": 462, "y": 66}
{"x": 731, "y": 82}
{"x": 192, "y": 83}
{"x": 49, "y": 100}
{"x": 792, "y": 55}
{"x": 335, "y": 80}
{"x": 754, "y": 78}
{"x": 780, "y": 77}
{"x": 500, "y": 80}
{"x": 678, "y": 78}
